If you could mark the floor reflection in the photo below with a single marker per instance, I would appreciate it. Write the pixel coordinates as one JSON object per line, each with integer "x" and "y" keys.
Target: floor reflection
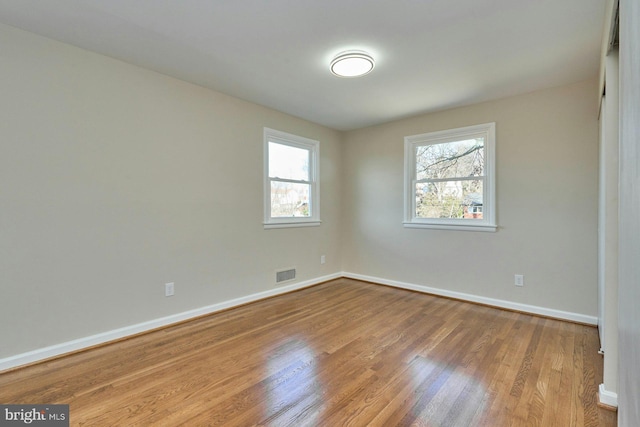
{"x": 443, "y": 391}
{"x": 295, "y": 388}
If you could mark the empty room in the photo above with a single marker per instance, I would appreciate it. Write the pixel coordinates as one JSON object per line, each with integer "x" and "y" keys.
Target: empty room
{"x": 306, "y": 213}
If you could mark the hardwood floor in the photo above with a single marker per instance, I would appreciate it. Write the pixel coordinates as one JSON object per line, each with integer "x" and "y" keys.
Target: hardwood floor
{"x": 337, "y": 354}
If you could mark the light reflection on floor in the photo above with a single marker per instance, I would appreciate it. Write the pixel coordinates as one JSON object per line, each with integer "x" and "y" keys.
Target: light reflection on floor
{"x": 298, "y": 391}
{"x": 437, "y": 396}
{"x": 296, "y": 387}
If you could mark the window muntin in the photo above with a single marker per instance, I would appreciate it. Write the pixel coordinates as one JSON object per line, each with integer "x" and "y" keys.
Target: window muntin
{"x": 449, "y": 180}
{"x": 291, "y": 180}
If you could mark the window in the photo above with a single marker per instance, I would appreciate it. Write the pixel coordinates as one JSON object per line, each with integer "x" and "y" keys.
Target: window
{"x": 449, "y": 179}
{"x": 291, "y": 188}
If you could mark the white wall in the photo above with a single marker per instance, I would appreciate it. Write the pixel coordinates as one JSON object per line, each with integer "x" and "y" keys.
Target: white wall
{"x": 629, "y": 231}
{"x": 115, "y": 180}
{"x": 608, "y": 229}
{"x": 547, "y": 195}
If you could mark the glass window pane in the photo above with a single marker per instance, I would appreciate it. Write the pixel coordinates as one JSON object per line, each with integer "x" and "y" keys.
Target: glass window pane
{"x": 289, "y": 199}
{"x": 449, "y": 199}
{"x": 288, "y": 162}
{"x": 450, "y": 160}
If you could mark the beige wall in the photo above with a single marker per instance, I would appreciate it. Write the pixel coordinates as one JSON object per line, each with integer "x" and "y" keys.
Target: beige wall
{"x": 115, "y": 180}
{"x": 547, "y": 195}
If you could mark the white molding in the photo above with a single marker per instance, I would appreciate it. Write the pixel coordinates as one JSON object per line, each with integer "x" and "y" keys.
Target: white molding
{"x": 606, "y": 397}
{"x": 532, "y": 309}
{"x": 313, "y": 146}
{"x": 488, "y": 132}
{"x": 268, "y": 226}
{"x": 492, "y": 228}
{"x": 608, "y": 36}
{"x": 115, "y": 334}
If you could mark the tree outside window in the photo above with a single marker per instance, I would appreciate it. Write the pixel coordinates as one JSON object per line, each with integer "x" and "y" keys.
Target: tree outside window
{"x": 449, "y": 179}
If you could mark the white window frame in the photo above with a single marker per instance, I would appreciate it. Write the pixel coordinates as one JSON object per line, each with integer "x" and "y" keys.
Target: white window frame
{"x": 313, "y": 146}
{"x": 488, "y": 222}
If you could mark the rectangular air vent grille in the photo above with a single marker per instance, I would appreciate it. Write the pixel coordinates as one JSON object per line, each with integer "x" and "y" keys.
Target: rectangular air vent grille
{"x": 285, "y": 275}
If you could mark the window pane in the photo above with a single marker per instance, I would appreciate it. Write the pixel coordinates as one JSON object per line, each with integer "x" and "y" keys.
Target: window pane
{"x": 288, "y": 162}
{"x": 289, "y": 199}
{"x": 450, "y": 160}
{"x": 449, "y": 199}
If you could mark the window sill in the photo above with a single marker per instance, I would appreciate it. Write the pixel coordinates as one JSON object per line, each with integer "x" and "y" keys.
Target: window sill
{"x": 490, "y": 228}
{"x": 269, "y": 225}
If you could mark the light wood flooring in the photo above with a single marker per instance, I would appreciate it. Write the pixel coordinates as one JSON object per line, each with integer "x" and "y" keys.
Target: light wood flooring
{"x": 343, "y": 353}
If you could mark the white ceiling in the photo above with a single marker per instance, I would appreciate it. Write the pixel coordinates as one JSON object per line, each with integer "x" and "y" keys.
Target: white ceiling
{"x": 430, "y": 54}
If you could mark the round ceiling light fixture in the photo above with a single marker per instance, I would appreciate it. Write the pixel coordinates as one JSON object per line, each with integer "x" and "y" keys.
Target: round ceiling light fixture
{"x": 352, "y": 63}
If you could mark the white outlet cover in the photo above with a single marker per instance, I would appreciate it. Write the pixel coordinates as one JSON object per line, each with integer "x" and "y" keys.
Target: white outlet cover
{"x": 168, "y": 289}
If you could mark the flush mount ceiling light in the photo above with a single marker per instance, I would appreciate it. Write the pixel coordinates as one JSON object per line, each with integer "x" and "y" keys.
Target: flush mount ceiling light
{"x": 353, "y": 63}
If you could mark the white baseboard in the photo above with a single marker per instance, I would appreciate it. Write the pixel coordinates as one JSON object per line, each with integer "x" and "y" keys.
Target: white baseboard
{"x": 104, "y": 337}
{"x": 606, "y": 397}
{"x": 541, "y": 311}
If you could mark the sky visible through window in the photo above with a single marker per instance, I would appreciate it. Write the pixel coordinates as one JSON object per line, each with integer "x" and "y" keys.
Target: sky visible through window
{"x": 288, "y": 162}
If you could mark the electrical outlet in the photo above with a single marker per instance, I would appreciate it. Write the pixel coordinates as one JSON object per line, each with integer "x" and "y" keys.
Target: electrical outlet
{"x": 168, "y": 289}
{"x": 322, "y": 259}
{"x": 519, "y": 280}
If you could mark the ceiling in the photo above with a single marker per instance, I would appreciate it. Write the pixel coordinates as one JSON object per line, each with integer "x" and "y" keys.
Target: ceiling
{"x": 430, "y": 54}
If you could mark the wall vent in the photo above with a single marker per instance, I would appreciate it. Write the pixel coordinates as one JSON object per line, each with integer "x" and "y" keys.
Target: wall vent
{"x": 285, "y": 275}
